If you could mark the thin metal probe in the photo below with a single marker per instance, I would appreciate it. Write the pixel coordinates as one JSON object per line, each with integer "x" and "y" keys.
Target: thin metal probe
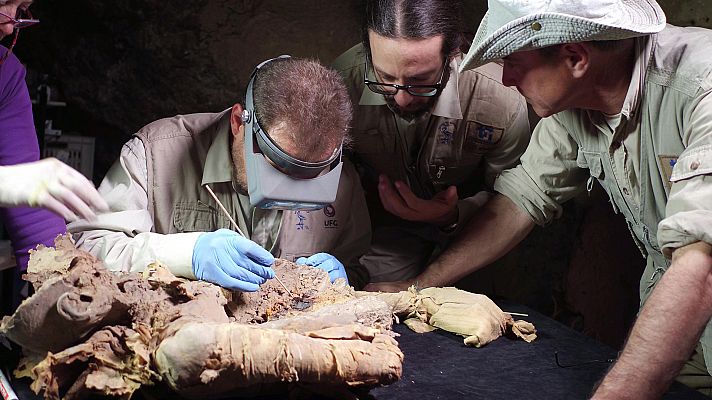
{"x": 224, "y": 210}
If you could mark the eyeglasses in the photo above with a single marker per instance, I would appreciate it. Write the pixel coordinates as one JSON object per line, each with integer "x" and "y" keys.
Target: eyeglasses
{"x": 23, "y": 19}
{"x": 390, "y": 89}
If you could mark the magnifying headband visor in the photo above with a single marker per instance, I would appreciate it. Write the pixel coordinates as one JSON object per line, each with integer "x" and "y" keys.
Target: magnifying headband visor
{"x": 277, "y": 180}
{"x": 287, "y": 164}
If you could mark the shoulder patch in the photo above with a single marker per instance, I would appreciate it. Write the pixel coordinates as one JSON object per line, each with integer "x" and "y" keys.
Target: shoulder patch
{"x": 667, "y": 163}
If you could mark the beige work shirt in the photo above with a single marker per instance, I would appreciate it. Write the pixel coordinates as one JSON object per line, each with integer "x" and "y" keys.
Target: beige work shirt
{"x": 477, "y": 128}
{"x": 654, "y": 159}
{"x": 159, "y": 205}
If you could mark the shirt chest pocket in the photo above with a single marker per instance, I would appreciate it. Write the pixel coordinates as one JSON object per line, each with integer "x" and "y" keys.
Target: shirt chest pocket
{"x": 444, "y": 173}
{"x": 594, "y": 163}
{"x": 197, "y": 217}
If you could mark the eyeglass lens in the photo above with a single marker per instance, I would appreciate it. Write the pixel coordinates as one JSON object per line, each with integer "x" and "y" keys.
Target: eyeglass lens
{"x": 391, "y": 89}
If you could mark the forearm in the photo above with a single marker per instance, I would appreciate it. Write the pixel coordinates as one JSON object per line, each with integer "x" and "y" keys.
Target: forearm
{"x": 122, "y": 251}
{"x": 667, "y": 329}
{"x": 492, "y": 232}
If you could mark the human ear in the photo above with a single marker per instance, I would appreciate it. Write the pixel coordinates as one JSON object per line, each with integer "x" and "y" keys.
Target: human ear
{"x": 236, "y": 123}
{"x": 577, "y": 58}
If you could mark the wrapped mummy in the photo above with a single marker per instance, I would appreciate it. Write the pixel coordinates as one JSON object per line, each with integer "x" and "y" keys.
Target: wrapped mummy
{"x": 87, "y": 330}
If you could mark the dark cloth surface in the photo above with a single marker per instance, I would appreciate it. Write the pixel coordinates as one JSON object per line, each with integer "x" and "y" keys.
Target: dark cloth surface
{"x": 438, "y": 365}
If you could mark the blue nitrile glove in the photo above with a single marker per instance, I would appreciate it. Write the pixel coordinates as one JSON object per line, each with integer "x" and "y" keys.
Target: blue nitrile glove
{"x": 328, "y": 263}
{"x": 227, "y": 259}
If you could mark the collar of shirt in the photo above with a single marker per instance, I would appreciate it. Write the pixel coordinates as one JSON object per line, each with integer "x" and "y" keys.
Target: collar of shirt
{"x": 643, "y": 47}
{"x": 447, "y": 105}
{"x": 218, "y": 162}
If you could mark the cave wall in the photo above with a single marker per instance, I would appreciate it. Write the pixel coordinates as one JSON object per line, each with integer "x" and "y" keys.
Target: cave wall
{"x": 121, "y": 64}
{"x": 130, "y": 62}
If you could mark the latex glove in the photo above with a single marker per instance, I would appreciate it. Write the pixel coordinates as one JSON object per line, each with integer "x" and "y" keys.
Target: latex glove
{"x": 398, "y": 199}
{"x": 328, "y": 263}
{"x": 227, "y": 259}
{"x": 51, "y": 184}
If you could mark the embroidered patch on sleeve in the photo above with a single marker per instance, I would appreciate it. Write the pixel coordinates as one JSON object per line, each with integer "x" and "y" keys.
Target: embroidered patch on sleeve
{"x": 667, "y": 163}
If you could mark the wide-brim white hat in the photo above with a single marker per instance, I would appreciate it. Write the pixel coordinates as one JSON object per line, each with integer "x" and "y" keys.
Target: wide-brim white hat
{"x": 514, "y": 25}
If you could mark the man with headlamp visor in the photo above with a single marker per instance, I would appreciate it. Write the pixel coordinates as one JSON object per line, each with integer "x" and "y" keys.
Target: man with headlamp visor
{"x": 274, "y": 165}
{"x": 276, "y": 180}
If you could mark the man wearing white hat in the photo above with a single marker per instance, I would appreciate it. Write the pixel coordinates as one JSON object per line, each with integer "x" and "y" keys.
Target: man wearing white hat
{"x": 625, "y": 101}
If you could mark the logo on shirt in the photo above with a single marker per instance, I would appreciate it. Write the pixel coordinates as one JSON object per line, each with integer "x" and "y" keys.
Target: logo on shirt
{"x": 301, "y": 220}
{"x": 446, "y": 132}
{"x": 332, "y": 222}
{"x": 480, "y": 137}
{"x": 329, "y": 211}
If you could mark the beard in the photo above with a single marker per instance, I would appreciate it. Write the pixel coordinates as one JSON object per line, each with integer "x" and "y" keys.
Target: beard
{"x": 413, "y": 115}
{"x": 239, "y": 168}
{"x": 425, "y": 108}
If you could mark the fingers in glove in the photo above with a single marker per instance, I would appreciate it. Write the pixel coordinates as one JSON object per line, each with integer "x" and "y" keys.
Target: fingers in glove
{"x": 85, "y": 189}
{"x": 255, "y": 253}
{"x": 318, "y": 258}
{"x": 58, "y": 208}
{"x": 241, "y": 273}
{"x": 223, "y": 279}
{"x": 67, "y": 197}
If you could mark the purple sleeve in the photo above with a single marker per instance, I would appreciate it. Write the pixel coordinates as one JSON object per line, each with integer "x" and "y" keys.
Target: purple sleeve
{"x": 26, "y": 226}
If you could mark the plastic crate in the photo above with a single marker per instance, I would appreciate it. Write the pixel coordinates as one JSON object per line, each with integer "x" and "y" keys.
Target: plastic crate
{"x": 75, "y": 151}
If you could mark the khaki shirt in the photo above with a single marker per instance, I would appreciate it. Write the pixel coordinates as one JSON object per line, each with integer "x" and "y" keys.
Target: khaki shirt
{"x": 159, "y": 205}
{"x": 654, "y": 160}
{"x": 477, "y": 128}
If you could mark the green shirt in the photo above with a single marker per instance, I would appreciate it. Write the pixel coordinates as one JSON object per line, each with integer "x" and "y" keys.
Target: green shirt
{"x": 654, "y": 160}
{"x": 477, "y": 128}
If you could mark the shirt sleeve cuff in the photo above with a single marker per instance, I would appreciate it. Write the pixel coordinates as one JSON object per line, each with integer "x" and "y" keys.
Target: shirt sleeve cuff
{"x": 516, "y": 184}
{"x": 684, "y": 228}
{"x": 177, "y": 253}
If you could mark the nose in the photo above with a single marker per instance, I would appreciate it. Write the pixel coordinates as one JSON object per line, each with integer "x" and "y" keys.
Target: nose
{"x": 508, "y": 78}
{"x": 403, "y": 99}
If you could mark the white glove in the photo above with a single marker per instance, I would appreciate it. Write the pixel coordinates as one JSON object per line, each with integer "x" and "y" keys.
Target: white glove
{"x": 51, "y": 184}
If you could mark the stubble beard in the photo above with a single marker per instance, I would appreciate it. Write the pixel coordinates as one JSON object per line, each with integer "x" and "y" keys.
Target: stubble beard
{"x": 410, "y": 115}
{"x": 239, "y": 174}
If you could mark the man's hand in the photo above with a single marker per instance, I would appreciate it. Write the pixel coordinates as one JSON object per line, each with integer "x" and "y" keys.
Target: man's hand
{"x": 227, "y": 259}
{"x": 51, "y": 184}
{"x": 328, "y": 263}
{"x": 398, "y": 199}
{"x": 392, "y": 287}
